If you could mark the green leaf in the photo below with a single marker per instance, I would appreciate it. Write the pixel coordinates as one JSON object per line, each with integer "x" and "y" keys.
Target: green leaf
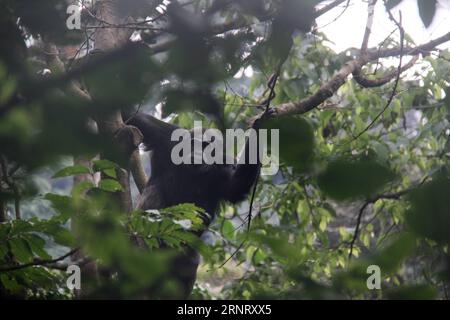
{"x": 81, "y": 188}
{"x": 3, "y": 251}
{"x": 21, "y": 250}
{"x": 412, "y": 292}
{"x": 429, "y": 215}
{"x": 63, "y": 237}
{"x": 37, "y": 245}
{"x": 42, "y": 277}
{"x": 101, "y": 165}
{"x": 19, "y": 227}
{"x": 62, "y": 204}
{"x": 259, "y": 256}
{"x": 296, "y": 140}
{"x": 282, "y": 249}
{"x": 195, "y": 242}
{"x": 392, "y": 256}
{"x": 228, "y": 230}
{"x": 72, "y": 170}
{"x": 112, "y": 173}
{"x": 58, "y": 232}
{"x": 10, "y": 283}
{"x": 186, "y": 211}
{"x": 110, "y": 185}
{"x": 427, "y": 10}
{"x": 381, "y": 151}
{"x": 344, "y": 179}
{"x": 392, "y": 3}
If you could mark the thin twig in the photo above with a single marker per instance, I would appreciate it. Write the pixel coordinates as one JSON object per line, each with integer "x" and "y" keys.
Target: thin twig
{"x": 330, "y": 6}
{"x": 337, "y": 17}
{"x": 386, "y": 196}
{"x": 38, "y": 262}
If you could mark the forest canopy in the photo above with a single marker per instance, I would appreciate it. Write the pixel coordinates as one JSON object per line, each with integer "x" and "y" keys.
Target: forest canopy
{"x": 358, "y": 209}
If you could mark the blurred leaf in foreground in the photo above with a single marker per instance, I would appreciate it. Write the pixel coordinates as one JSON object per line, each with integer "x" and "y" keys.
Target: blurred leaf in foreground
{"x": 348, "y": 179}
{"x": 430, "y": 211}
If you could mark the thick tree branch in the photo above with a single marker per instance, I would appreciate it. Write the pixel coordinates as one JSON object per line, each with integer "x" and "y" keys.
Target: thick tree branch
{"x": 57, "y": 67}
{"x": 112, "y": 126}
{"x": 394, "y": 90}
{"x": 369, "y": 23}
{"x": 329, "y": 88}
{"x": 128, "y": 136}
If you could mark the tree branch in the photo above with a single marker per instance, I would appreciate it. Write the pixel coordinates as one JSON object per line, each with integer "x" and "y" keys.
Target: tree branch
{"x": 57, "y": 66}
{"x": 409, "y": 51}
{"x": 387, "y": 196}
{"x": 38, "y": 262}
{"x": 369, "y": 23}
{"x": 63, "y": 266}
{"x": 378, "y": 82}
{"x": 328, "y": 7}
{"x": 112, "y": 125}
{"x": 329, "y": 88}
{"x": 394, "y": 90}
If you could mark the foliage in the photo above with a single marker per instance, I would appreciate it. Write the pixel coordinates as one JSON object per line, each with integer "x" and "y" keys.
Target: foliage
{"x": 392, "y": 181}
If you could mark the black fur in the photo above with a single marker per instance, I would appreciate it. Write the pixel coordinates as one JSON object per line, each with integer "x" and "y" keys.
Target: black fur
{"x": 203, "y": 185}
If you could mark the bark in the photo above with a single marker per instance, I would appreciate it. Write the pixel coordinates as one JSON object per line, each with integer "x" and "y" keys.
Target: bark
{"x": 137, "y": 169}
{"x": 126, "y": 138}
{"x": 88, "y": 270}
{"x": 327, "y": 90}
{"x": 2, "y": 211}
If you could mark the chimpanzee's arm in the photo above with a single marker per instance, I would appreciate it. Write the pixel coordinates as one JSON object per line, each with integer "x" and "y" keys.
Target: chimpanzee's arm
{"x": 156, "y": 132}
{"x": 244, "y": 175}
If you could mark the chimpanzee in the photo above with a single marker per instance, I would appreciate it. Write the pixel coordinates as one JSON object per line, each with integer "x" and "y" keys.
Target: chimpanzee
{"x": 204, "y": 185}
